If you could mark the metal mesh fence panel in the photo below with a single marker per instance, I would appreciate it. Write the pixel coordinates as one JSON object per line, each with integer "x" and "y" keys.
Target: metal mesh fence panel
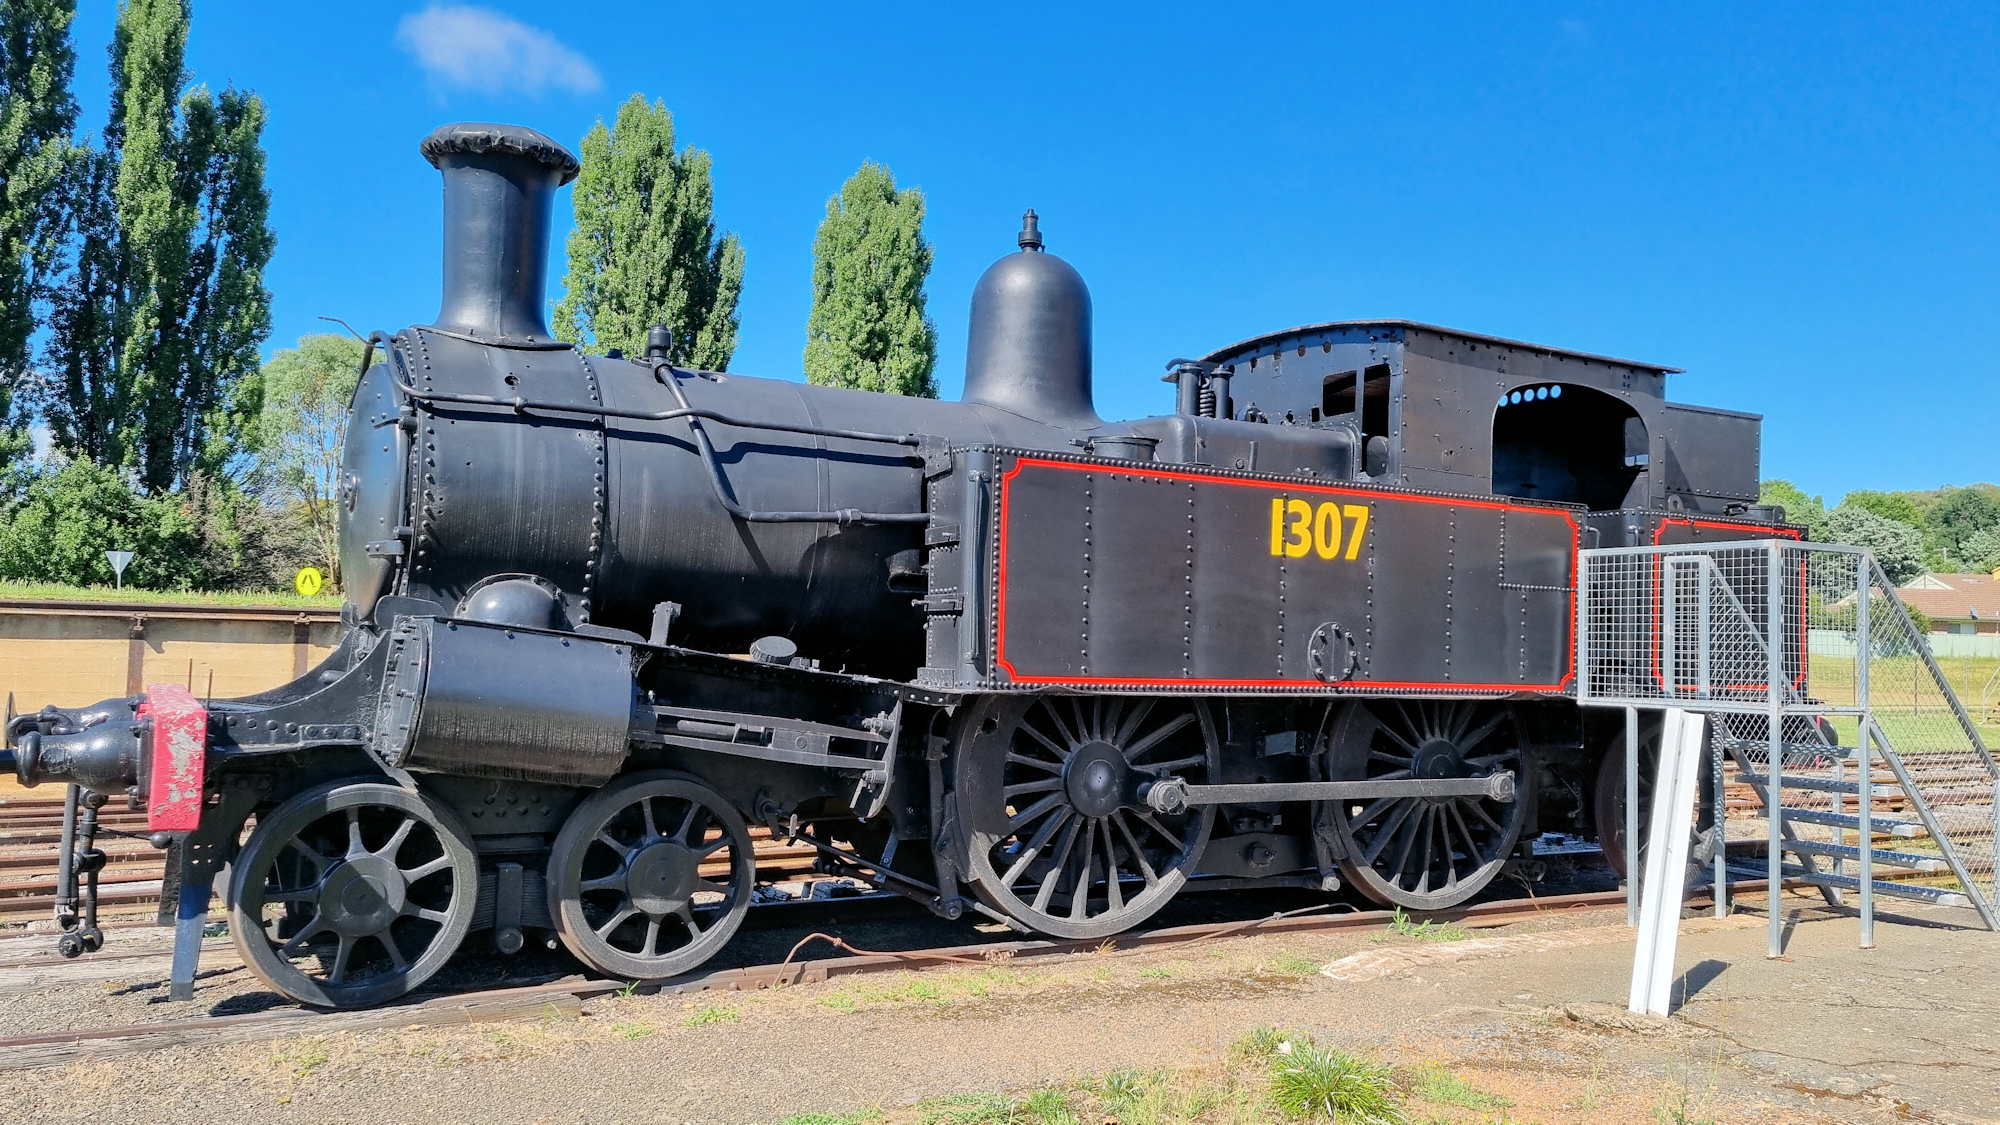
{"x": 1814, "y": 638}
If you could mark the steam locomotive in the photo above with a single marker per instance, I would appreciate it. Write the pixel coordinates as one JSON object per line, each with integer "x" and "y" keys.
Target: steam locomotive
{"x": 1314, "y": 626}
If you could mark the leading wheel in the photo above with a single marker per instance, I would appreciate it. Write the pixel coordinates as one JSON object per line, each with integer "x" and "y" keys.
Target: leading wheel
{"x": 1058, "y": 835}
{"x": 650, "y": 876}
{"x": 352, "y": 894}
{"x": 1425, "y": 853}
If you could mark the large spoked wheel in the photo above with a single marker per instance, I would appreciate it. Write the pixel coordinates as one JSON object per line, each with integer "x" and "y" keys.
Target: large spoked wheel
{"x": 1425, "y": 853}
{"x": 1058, "y": 835}
{"x": 353, "y": 893}
{"x": 1607, "y": 805}
{"x": 650, "y": 876}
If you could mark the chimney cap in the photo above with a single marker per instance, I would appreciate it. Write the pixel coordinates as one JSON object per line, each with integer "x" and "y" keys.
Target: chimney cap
{"x": 481, "y": 138}
{"x": 1031, "y": 231}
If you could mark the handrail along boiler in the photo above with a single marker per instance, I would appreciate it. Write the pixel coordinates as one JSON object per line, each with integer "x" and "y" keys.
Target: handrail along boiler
{"x": 1001, "y": 655}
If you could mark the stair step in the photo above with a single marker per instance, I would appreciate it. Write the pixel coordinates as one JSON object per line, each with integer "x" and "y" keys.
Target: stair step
{"x": 1936, "y": 895}
{"x": 1886, "y": 825}
{"x": 1925, "y": 863}
{"x": 1793, "y": 751}
{"x": 1821, "y": 784}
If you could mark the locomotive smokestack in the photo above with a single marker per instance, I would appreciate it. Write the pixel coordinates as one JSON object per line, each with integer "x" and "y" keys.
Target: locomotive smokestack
{"x": 1029, "y": 345}
{"x": 499, "y": 184}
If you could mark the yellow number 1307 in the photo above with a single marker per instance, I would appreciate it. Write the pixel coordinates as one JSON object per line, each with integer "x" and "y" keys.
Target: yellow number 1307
{"x": 1315, "y": 530}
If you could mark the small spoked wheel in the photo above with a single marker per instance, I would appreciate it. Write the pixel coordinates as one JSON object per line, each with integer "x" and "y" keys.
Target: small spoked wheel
{"x": 1050, "y": 793}
{"x": 353, "y": 893}
{"x": 650, "y": 876}
{"x": 1425, "y": 853}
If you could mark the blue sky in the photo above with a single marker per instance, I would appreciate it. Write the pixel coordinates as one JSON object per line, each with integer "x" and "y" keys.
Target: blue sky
{"x": 1794, "y": 202}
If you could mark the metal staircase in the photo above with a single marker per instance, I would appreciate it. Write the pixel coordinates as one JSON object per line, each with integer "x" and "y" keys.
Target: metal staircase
{"x": 1801, "y": 655}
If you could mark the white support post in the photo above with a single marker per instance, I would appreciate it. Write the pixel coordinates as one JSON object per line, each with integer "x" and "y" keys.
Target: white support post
{"x": 1631, "y": 816}
{"x": 1665, "y": 880}
{"x": 1774, "y": 767}
{"x": 1864, "y": 750}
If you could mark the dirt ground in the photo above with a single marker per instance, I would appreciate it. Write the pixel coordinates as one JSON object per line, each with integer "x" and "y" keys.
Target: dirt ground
{"x": 1528, "y": 1030}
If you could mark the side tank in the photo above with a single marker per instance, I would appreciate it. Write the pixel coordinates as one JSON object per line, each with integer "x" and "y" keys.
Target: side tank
{"x": 481, "y": 447}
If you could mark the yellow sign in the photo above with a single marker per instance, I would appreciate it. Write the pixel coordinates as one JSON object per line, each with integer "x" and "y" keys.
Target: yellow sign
{"x": 308, "y": 581}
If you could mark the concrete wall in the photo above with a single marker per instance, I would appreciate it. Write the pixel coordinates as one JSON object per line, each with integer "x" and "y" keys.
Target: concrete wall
{"x": 76, "y": 653}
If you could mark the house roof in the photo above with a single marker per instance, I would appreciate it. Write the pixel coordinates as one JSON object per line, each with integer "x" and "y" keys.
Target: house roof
{"x": 1954, "y": 597}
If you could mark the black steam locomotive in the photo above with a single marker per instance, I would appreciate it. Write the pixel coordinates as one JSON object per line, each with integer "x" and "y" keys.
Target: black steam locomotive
{"x": 999, "y": 655}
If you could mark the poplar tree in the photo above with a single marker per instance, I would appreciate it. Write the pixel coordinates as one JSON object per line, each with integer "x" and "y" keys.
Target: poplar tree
{"x": 868, "y": 328}
{"x": 154, "y": 335}
{"x": 37, "y": 113}
{"x": 645, "y": 250}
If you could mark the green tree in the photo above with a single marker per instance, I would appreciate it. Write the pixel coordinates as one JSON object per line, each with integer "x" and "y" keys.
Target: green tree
{"x": 1959, "y": 514}
{"x": 1799, "y": 508}
{"x": 1889, "y": 505}
{"x": 155, "y": 331}
{"x": 1897, "y": 546}
{"x": 69, "y": 516}
{"x": 306, "y": 393}
{"x": 645, "y": 249}
{"x": 37, "y": 113}
{"x": 1981, "y": 550}
{"x": 868, "y": 328}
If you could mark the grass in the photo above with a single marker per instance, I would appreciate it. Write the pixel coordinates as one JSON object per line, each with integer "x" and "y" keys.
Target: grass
{"x": 51, "y": 591}
{"x": 1155, "y": 974}
{"x": 1438, "y": 1086}
{"x": 1317, "y": 1083}
{"x": 1267, "y": 1076}
{"x": 628, "y": 1029}
{"x": 937, "y": 990}
{"x": 1402, "y": 925}
{"x": 1293, "y": 964}
{"x": 300, "y": 1056}
{"x": 712, "y": 1013}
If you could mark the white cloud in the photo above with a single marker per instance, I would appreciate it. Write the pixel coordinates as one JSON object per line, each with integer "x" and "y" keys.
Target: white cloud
{"x": 480, "y": 49}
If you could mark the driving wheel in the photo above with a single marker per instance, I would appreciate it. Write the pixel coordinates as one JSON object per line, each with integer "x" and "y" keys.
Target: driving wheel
{"x": 1050, "y": 791}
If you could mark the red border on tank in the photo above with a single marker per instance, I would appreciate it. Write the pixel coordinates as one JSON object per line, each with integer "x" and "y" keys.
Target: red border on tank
{"x": 1758, "y": 531}
{"x": 1000, "y": 583}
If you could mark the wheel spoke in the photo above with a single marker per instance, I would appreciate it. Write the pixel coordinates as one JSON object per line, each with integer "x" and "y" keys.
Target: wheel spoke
{"x": 1138, "y": 853}
{"x": 427, "y": 914}
{"x": 319, "y": 862}
{"x": 1054, "y": 876}
{"x": 354, "y": 847}
{"x": 1035, "y": 763}
{"x": 426, "y": 869}
{"x": 1061, "y": 752}
{"x": 1062, "y": 728}
{"x": 612, "y": 882}
{"x": 1139, "y": 749}
{"x": 687, "y": 823}
{"x": 396, "y": 958}
{"x": 1473, "y": 852}
{"x": 340, "y": 957}
{"x": 646, "y": 814}
{"x": 1179, "y": 763}
{"x": 652, "y": 936}
{"x": 1368, "y": 815}
{"x": 312, "y": 930}
{"x": 303, "y": 894}
{"x": 1424, "y": 865}
{"x": 714, "y": 888}
{"x": 1130, "y": 726}
{"x": 1384, "y": 756}
{"x": 605, "y": 838}
{"x": 604, "y": 932}
{"x": 1026, "y": 787}
{"x": 1027, "y": 816}
{"x": 1483, "y": 732}
{"x": 1034, "y": 846}
{"x": 1409, "y": 841}
{"x": 1387, "y": 834}
{"x": 686, "y": 915}
{"x": 1146, "y": 819}
{"x": 388, "y": 851}
{"x": 1479, "y": 809}
{"x": 710, "y": 849}
{"x": 1114, "y": 896}
{"x": 1079, "y": 899}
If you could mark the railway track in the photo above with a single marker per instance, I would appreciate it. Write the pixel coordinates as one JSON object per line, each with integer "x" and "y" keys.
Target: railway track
{"x": 565, "y": 997}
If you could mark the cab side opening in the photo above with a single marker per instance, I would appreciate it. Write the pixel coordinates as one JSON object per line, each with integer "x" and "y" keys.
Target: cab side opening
{"x": 1577, "y": 445}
